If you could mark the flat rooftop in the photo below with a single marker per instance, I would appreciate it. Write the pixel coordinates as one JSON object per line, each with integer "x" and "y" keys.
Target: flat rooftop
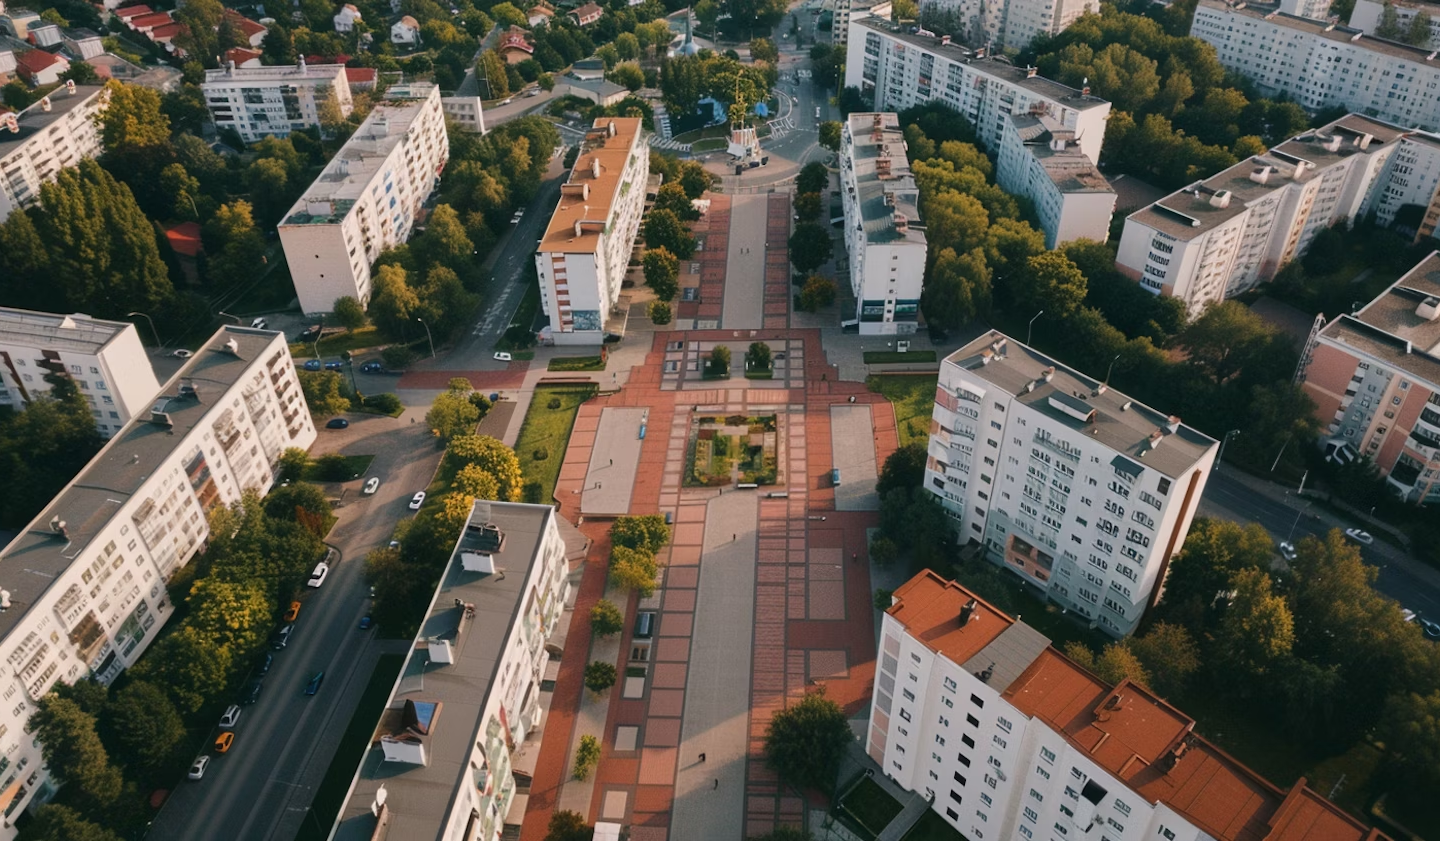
{"x": 1189, "y": 213}
{"x": 419, "y": 798}
{"x": 78, "y": 333}
{"x": 992, "y": 67}
{"x": 887, "y": 190}
{"x": 1117, "y": 421}
{"x": 291, "y": 73}
{"x": 1068, "y": 167}
{"x": 36, "y": 119}
{"x": 1337, "y": 33}
{"x": 1391, "y": 327}
{"x": 32, "y": 562}
{"x": 578, "y": 219}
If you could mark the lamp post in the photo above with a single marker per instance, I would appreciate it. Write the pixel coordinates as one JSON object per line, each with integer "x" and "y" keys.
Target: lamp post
{"x": 238, "y": 319}
{"x": 152, "y": 325}
{"x": 428, "y": 336}
{"x": 1298, "y": 514}
{"x": 1031, "y": 328}
{"x": 318, "y": 333}
{"x": 1109, "y": 369}
{"x": 1220, "y": 455}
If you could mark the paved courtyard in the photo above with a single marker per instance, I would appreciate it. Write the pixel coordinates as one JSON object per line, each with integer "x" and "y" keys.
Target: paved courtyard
{"x": 852, "y": 449}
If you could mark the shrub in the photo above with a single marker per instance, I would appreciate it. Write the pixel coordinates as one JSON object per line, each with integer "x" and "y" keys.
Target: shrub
{"x": 332, "y": 467}
{"x": 588, "y": 754}
{"x": 533, "y": 492}
{"x": 540, "y": 454}
{"x": 599, "y": 676}
{"x": 553, "y": 404}
{"x": 387, "y": 403}
{"x": 397, "y": 357}
{"x": 606, "y": 620}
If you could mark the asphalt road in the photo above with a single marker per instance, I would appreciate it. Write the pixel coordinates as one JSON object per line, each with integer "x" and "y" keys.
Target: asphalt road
{"x": 284, "y": 743}
{"x": 1231, "y": 499}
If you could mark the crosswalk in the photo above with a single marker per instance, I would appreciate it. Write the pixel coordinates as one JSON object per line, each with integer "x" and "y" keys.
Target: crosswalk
{"x": 669, "y": 145}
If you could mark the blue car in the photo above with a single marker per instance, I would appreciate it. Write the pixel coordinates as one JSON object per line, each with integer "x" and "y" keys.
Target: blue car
{"x": 366, "y": 623}
{"x": 334, "y": 366}
{"x": 314, "y": 685}
{"x": 372, "y": 368}
{"x": 312, "y": 365}
{"x": 337, "y": 423}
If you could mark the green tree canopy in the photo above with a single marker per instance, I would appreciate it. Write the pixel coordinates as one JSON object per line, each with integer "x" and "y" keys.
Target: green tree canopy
{"x": 492, "y": 456}
{"x": 606, "y": 620}
{"x": 904, "y": 468}
{"x": 73, "y": 751}
{"x": 662, "y": 272}
{"x": 57, "y": 822}
{"x": 640, "y": 531}
{"x": 350, "y": 312}
{"x": 192, "y": 667}
{"x": 141, "y": 723}
{"x": 663, "y": 229}
{"x": 452, "y": 414}
{"x": 958, "y": 288}
{"x": 633, "y": 569}
{"x": 806, "y": 742}
{"x": 810, "y": 246}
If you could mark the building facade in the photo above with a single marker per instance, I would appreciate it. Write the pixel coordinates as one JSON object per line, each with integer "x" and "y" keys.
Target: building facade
{"x": 1223, "y": 236}
{"x": 1405, "y": 197}
{"x": 367, "y": 198}
{"x": 456, "y": 732}
{"x": 1010, "y": 24}
{"x": 1041, "y": 160}
{"x": 582, "y": 259}
{"x": 883, "y": 231}
{"x": 86, "y": 578}
{"x": 902, "y": 70}
{"x": 1375, "y": 378}
{"x": 54, "y": 133}
{"x": 1077, "y": 489}
{"x": 1322, "y": 65}
{"x": 261, "y": 101}
{"x": 1010, "y": 739}
{"x": 105, "y": 360}
{"x": 1368, "y": 15}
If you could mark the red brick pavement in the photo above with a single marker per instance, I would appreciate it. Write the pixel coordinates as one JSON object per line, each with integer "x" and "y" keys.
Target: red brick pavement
{"x": 714, "y": 226}
{"x": 777, "y": 261}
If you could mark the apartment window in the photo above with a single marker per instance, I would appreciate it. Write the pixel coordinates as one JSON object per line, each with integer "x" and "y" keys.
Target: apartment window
{"x": 1048, "y": 755}
{"x": 1039, "y": 798}
{"x": 977, "y": 701}
{"x": 949, "y": 684}
{"x": 947, "y": 702}
{"x": 1042, "y": 772}
{"x": 959, "y": 779}
{"x": 952, "y": 814}
{"x": 969, "y": 742}
{"x": 1169, "y": 836}
{"x": 954, "y": 795}
{"x": 1122, "y": 807}
{"x": 909, "y": 696}
{"x": 963, "y": 759}
{"x": 972, "y": 721}
{"x": 940, "y": 740}
{"x": 904, "y": 713}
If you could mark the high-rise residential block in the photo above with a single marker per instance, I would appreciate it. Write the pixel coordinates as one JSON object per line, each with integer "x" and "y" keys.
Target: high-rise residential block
{"x": 260, "y": 101}
{"x": 1074, "y": 487}
{"x": 1368, "y": 16}
{"x": 54, "y": 133}
{"x": 1041, "y": 159}
{"x": 367, "y": 199}
{"x": 1009, "y": 24}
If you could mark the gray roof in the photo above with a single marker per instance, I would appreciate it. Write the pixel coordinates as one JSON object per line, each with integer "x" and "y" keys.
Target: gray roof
{"x": 76, "y": 333}
{"x": 1120, "y": 423}
{"x": 30, "y": 564}
{"x": 995, "y": 68}
{"x": 882, "y": 198}
{"x": 35, "y": 119}
{"x": 1389, "y": 329}
{"x": 1069, "y": 169}
{"x": 419, "y": 798}
{"x": 1007, "y": 656}
{"x": 601, "y": 86}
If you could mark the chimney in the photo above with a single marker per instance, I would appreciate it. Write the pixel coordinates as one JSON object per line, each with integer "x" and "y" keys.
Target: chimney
{"x": 1030, "y": 71}
{"x": 610, "y": 129}
{"x": 1048, "y": 374}
{"x": 1262, "y": 175}
{"x": 1085, "y": 87}
{"x": 595, "y": 164}
{"x": 901, "y": 223}
{"x": 230, "y": 68}
{"x": 944, "y": 40}
{"x": 967, "y": 612}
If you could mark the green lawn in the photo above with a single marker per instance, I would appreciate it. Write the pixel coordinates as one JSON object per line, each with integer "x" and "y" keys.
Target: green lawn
{"x": 330, "y": 795}
{"x": 870, "y": 806}
{"x": 879, "y": 357}
{"x": 354, "y": 466}
{"x": 576, "y": 363}
{"x": 913, "y": 396}
{"x": 760, "y": 374}
{"x": 334, "y": 345}
{"x": 547, "y": 430}
{"x": 720, "y": 132}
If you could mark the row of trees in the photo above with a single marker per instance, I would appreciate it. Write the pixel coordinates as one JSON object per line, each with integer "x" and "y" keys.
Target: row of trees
{"x": 667, "y": 229}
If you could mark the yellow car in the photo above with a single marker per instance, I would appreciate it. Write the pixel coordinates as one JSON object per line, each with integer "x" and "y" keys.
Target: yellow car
{"x": 293, "y": 612}
{"x": 224, "y": 741}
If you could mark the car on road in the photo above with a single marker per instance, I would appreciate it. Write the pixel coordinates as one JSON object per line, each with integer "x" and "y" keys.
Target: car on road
{"x": 259, "y": 323}
{"x": 312, "y": 365}
{"x": 322, "y": 571}
{"x": 230, "y": 717}
{"x": 197, "y": 768}
{"x": 251, "y": 693}
{"x": 1287, "y": 550}
{"x": 532, "y": 92}
{"x": 293, "y": 613}
{"x": 338, "y": 423}
{"x": 314, "y": 685}
{"x": 263, "y": 668}
{"x": 1431, "y": 628}
{"x": 366, "y": 623}
{"x": 372, "y": 368}
{"x": 224, "y": 741}
{"x": 507, "y": 101}
{"x": 334, "y": 366}
{"x": 182, "y": 353}
{"x": 282, "y": 638}
{"x": 502, "y": 356}
{"x": 417, "y": 500}
{"x": 1360, "y": 536}
{"x": 519, "y": 214}
{"x": 371, "y": 485}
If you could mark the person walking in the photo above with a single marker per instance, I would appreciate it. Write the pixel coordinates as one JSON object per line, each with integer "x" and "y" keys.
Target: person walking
{"x": 702, "y": 757}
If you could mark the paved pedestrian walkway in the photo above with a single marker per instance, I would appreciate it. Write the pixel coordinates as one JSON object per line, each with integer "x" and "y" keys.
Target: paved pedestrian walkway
{"x": 614, "y": 461}
{"x": 852, "y": 450}
{"x": 746, "y": 267}
{"x": 778, "y": 294}
{"x": 714, "y": 229}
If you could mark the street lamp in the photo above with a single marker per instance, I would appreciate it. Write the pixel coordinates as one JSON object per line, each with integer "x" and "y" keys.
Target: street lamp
{"x": 152, "y": 325}
{"x": 428, "y": 336}
{"x": 1220, "y": 455}
{"x": 1031, "y": 328}
{"x": 238, "y": 319}
{"x": 1291, "y": 536}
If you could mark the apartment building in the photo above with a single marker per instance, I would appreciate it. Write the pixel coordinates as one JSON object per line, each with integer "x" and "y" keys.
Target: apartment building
{"x": 883, "y": 231}
{"x": 261, "y": 101}
{"x": 1074, "y": 487}
{"x": 1405, "y": 195}
{"x": 457, "y": 730}
{"x": 1222, "y": 236}
{"x": 1322, "y": 65}
{"x": 1010, "y": 24}
{"x": 54, "y": 133}
{"x": 582, "y": 258}
{"x": 104, "y": 359}
{"x": 1041, "y": 160}
{"x": 1010, "y": 739}
{"x": 848, "y": 10}
{"x": 367, "y": 198}
{"x": 1375, "y": 378}
{"x": 1367, "y": 15}
{"x": 1316, "y": 9}
{"x": 902, "y": 70}
{"x": 84, "y": 582}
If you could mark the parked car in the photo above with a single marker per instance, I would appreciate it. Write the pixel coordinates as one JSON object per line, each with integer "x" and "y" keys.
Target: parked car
{"x": 230, "y": 717}
{"x": 282, "y": 638}
{"x": 338, "y": 423}
{"x": 372, "y": 368}
{"x": 251, "y": 694}
{"x": 224, "y": 741}
{"x": 371, "y": 485}
{"x": 312, "y": 365}
{"x": 1431, "y": 628}
{"x": 197, "y": 768}
{"x": 263, "y": 668}
{"x": 293, "y": 613}
{"x": 314, "y": 685}
{"x": 259, "y": 323}
{"x": 1360, "y": 536}
{"x": 334, "y": 366}
{"x": 182, "y": 353}
{"x": 417, "y": 500}
{"x": 1287, "y": 550}
{"x": 322, "y": 571}
{"x": 366, "y": 623}
{"x": 502, "y": 356}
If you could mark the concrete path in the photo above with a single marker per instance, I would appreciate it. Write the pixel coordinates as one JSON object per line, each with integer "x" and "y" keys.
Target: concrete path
{"x": 717, "y": 696}
{"x": 745, "y": 269}
{"x": 614, "y": 460}
{"x": 852, "y": 449}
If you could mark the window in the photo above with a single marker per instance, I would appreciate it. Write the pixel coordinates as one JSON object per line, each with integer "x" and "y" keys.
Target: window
{"x": 963, "y": 759}
{"x": 946, "y": 701}
{"x": 1004, "y": 724}
{"x": 954, "y": 795}
{"x": 952, "y": 814}
{"x": 950, "y": 684}
{"x": 959, "y": 779}
{"x": 1169, "y": 836}
{"x": 1031, "y": 815}
{"x": 1122, "y": 807}
{"x": 972, "y": 721}
{"x": 969, "y": 742}
{"x": 1039, "y": 798}
{"x": 909, "y": 696}
{"x": 904, "y": 713}
{"x": 977, "y": 701}
{"x": 1049, "y": 756}
{"x": 940, "y": 740}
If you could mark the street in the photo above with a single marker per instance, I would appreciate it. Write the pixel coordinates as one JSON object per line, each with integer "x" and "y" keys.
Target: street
{"x": 284, "y": 743}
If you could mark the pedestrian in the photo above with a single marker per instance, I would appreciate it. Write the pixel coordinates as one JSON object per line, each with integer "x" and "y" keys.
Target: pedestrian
{"x": 717, "y": 784}
{"x": 702, "y": 757}
{"x": 733, "y": 536}
{"x": 612, "y": 462}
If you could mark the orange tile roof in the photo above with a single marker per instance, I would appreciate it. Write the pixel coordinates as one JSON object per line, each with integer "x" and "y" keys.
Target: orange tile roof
{"x": 132, "y": 11}
{"x": 361, "y": 75}
{"x": 601, "y": 191}
{"x": 240, "y": 55}
{"x": 36, "y": 60}
{"x": 246, "y": 25}
{"x": 184, "y": 238}
{"x": 929, "y": 608}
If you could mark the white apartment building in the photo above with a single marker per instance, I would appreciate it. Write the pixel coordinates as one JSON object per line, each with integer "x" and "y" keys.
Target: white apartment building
{"x": 367, "y": 198}
{"x": 1406, "y": 192}
{"x": 1316, "y": 9}
{"x": 104, "y": 359}
{"x": 456, "y": 732}
{"x": 1010, "y": 24}
{"x": 54, "y": 133}
{"x": 1367, "y": 14}
{"x": 586, "y": 248}
{"x": 1041, "y": 160}
{"x": 1077, "y": 489}
{"x": 1322, "y": 65}
{"x": 261, "y": 101}
{"x": 901, "y": 70}
{"x": 883, "y": 231}
{"x": 1010, "y": 739}
{"x": 1223, "y": 236}
{"x": 85, "y": 580}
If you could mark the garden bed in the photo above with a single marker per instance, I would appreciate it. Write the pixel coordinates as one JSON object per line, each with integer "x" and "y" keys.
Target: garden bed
{"x": 913, "y": 398}
{"x": 546, "y": 432}
{"x": 576, "y": 363}
{"x": 882, "y": 357}
{"x": 737, "y": 448}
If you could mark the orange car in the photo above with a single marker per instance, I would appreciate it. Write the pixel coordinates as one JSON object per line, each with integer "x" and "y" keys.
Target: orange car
{"x": 293, "y": 612}
{"x": 224, "y": 741}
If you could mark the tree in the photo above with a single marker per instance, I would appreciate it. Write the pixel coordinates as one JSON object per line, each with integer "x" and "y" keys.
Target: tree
{"x": 393, "y": 303}
{"x": 660, "y": 313}
{"x": 451, "y": 415}
{"x": 808, "y": 206}
{"x": 472, "y": 482}
{"x": 1169, "y": 654}
{"x": 81, "y": 73}
{"x": 569, "y": 826}
{"x": 55, "y": 822}
{"x": 817, "y": 293}
{"x": 662, "y": 272}
{"x": 235, "y": 615}
{"x": 646, "y": 532}
{"x": 627, "y": 74}
{"x": 73, "y": 751}
{"x": 672, "y": 197}
{"x": 958, "y": 288}
{"x": 235, "y": 244}
{"x": 813, "y": 178}
{"x": 1410, "y": 729}
{"x": 599, "y": 676}
{"x": 141, "y": 723}
{"x": 324, "y": 392}
{"x": 349, "y": 312}
{"x": 830, "y": 135}
{"x": 719, "y": 362}
{"x": 663, "y": 229}
{"x": 190, "y": 666}
{"x": 695, "y": 178}
{"x": 1257, "y": 630}
{"x": 132, "y": 121}
{"x": 1226, "y": 339}
{"x": 757, "y": 358}
{"x": 546, "y": 82}
{"x": 1052, "y": 283}
{"x": 606, "y": 620}
{"x": 492, "y": 69}
{"x": 904, "y": 468}
{"x": 806, "y": 742}
{"x": 1115, "y": 663}
{"x": 492, "y": 456}
{"x": 1417, "y": 32}
{"x": 199, "y": 22}
{"x": 588, "y": 754}
{"x": 1214, "y": 551}
{"x": 810, "y": 246}
{"x": 445, "y": 242}
{"x": 633, "y": 569}
{"x": 883, "y": 551}
{"x": 278, "y": 47}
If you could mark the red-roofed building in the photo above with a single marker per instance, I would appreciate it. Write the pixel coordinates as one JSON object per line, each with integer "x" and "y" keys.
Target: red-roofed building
{"x": 1011, "y": 739}
{"x": 253, "y": 32}
{"x": 242, "y": 57}
{"x": 145, "y": 23}
{"x": 38, "y": 67}
{"x": 361, "y": 78}
{"x": 515, "y": 46}
{"x": 129, "y": 12}
{"x": 184, "y": 239}
{"x": 587, "y": 14}
{"x": 338, "y": 58}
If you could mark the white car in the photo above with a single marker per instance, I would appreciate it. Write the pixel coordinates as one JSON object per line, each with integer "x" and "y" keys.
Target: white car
{"x": 502, "y": 356}
{"x": 1287, "y": 550}
{"x": 371, "y": 485}
{"x": 182, "y": 353}
{"x": 417, "y": 500}
{"x": 317, "y": 577}
{"x": 231, "y": 716}
{"x": 507, "y": 101}
{"x": 1360, "y": 536}
{"x": 197, "y": 768}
